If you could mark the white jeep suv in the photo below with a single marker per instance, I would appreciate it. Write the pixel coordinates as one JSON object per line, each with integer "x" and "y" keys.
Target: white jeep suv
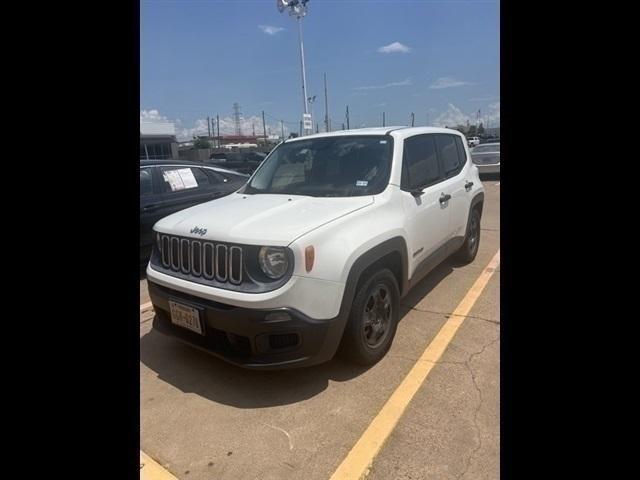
{"x": 315, "y": 252}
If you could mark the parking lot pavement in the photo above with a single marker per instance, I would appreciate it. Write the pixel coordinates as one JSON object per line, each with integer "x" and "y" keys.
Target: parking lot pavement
{"x": 202, "y": 418}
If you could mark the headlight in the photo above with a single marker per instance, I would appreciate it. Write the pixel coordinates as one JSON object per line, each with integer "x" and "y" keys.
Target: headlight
{"x": 273, "y": 261}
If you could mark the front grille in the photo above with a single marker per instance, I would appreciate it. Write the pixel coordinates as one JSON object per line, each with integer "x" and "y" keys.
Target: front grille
{"x": 199, "y": 258}
{"x": 283, "y": 340}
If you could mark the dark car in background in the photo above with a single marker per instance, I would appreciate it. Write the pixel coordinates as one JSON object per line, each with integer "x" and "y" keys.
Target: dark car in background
{"x": 242, "y": 162}
{"x": 168, "y": 186}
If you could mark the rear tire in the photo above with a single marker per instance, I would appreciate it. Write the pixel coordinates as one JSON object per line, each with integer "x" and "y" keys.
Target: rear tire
{"x": 373, "y": 319}
{"x": 469, "y": 249}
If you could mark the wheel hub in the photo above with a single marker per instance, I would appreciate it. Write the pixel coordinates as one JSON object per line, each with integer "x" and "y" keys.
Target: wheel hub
{"x": 377, "y": 314}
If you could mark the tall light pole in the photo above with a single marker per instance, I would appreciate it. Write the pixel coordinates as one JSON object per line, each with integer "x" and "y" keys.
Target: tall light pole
{"x": 298, "y": 9}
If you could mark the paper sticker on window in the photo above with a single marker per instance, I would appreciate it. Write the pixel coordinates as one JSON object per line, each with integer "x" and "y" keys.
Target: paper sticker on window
{"x": 383, "y": 142}
{"x": 362, "y": 183}
{"x": 180, "y": 179}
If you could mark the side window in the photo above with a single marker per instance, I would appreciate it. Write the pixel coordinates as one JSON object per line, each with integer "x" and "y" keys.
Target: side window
{"x": 420, "y": 161}
{"x": 215, "y": 177}
{"x": 448, "y": 153}
{"x": 462, "y": 154}
{"x": 176, "y": 179}
{"x": 146, "y": 182}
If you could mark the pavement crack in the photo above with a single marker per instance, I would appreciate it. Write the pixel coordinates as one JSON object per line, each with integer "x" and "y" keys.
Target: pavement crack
{"x": 474, "y": 317}
{"x": 467, "y": 364}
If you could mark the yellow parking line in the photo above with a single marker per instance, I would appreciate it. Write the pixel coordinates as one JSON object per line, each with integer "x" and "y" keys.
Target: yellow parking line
{"x": 152, "y": 470}
{"x": 359, "y": 459}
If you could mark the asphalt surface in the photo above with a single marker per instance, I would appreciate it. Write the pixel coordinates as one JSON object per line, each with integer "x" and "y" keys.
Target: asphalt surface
{"x": 204, "y": 419}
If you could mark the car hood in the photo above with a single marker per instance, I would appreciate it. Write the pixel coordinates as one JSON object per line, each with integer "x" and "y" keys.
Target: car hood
{"x": 262, "y": 219}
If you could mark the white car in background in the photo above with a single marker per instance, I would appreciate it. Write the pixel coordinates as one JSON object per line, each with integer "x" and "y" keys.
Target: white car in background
{"x": 486, "y": 157}
{"x": 473, "y": 141}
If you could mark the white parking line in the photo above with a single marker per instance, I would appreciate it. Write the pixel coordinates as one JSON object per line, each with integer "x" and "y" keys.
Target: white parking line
{"x": 498, "y": 184}
{"x": 145, "y": 306}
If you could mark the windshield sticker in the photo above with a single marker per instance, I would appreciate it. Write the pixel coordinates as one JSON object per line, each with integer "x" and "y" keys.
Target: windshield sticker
{"x": 383, "y": 142}
{"x": 362, "y": 183}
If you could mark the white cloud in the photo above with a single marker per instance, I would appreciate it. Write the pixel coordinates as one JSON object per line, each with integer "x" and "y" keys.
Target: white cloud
{"x": 483, "y": 98}
{"x": 269, "y": 29}
{"x": 227, "y": 125}
{"x": 447, "y": 82}
{"x": 395, "y": 47}
{"x": 453, "y": 116}
{"x": 403, "y": 83}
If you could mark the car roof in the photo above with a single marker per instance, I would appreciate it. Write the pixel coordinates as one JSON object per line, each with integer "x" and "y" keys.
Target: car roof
{"x": 155, "y": 163}
{"x": 396, "y": 131}
{"x": 186, "y": 163}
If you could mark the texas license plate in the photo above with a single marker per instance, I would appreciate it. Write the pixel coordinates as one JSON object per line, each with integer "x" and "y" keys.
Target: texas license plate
{"x": 186, "y": 317}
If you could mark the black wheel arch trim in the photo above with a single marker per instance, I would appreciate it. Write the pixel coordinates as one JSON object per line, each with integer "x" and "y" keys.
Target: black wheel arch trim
{"x": 364, "y": 261}
{"x": 479, "y": 198}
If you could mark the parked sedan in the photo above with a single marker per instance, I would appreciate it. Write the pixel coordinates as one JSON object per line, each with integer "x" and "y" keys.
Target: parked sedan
{"x": 487, "y": 157}
{"x": 169, "y": 186}
{"x": 242, "y": 162}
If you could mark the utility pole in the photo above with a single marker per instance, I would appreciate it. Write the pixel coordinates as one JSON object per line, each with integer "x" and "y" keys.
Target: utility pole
{"x": 347, "y": 117}
{"x": 264, "y": 127}
{"x": 282, "y": 126}
{"x": 218, "y": 125}
{"x": 383, "y": 120}
{"x": 316, "y": 127}
{"x": 253, "y": 128}
{"x": 209, "y": 127}
{"x": 413, "y": 117}
{"x": 326, "y": 105}
{"x": 236, "y": 117}
{"x": 300, "y": 127}
{"x": 343, "y": 125}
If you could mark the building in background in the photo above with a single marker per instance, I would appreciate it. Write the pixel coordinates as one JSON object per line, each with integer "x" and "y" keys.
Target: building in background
{"x": 158, "y": 141}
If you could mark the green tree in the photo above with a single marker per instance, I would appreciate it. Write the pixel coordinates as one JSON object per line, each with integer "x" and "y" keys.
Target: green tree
{"x": 472, "y": 130}
{"x": 199, "y": 143}
{"x": 480, "y": 129}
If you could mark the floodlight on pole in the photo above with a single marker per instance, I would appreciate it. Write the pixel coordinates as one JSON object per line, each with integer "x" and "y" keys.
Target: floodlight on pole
{"x": 298, "y": 9}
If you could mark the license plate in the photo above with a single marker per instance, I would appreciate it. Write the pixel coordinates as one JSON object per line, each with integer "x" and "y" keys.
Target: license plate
{"x": 186, "y": 317}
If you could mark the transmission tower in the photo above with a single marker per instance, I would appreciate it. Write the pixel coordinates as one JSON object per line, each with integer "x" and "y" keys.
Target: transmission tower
{"x": 236, "y": 118}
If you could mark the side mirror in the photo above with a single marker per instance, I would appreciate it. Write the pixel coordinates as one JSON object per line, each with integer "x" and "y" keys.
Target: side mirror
{"x": 417, "y": 192}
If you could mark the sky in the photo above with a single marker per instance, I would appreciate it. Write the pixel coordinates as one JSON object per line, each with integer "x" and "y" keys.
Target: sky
{"x": 437, "y": 59}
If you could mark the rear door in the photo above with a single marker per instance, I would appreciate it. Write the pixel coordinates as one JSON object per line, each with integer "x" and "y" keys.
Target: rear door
{"x": 183, "y": 187}
{"x": 453, "y": 159}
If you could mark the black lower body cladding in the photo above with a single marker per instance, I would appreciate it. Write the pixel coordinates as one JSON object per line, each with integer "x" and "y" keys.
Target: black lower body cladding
{"x": 251, "y": 338}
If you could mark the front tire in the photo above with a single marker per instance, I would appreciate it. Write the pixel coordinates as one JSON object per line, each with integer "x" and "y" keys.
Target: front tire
{"x": 469, "y": 249}
{"x": 373, "y": 319}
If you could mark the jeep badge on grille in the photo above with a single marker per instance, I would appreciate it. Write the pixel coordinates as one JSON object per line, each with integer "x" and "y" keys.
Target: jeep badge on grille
{"x": 199, "y": 231}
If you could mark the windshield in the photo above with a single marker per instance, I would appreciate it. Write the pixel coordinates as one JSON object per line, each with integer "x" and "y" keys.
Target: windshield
{"x": 344, "y": 166}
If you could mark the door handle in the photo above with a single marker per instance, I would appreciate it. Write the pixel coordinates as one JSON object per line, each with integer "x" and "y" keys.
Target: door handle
{"x": 445, "y": 197}
{"x": 468, "y": 185}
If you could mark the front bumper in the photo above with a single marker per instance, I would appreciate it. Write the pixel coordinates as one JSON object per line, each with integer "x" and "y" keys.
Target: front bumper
{"x": 251, "y": 338}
